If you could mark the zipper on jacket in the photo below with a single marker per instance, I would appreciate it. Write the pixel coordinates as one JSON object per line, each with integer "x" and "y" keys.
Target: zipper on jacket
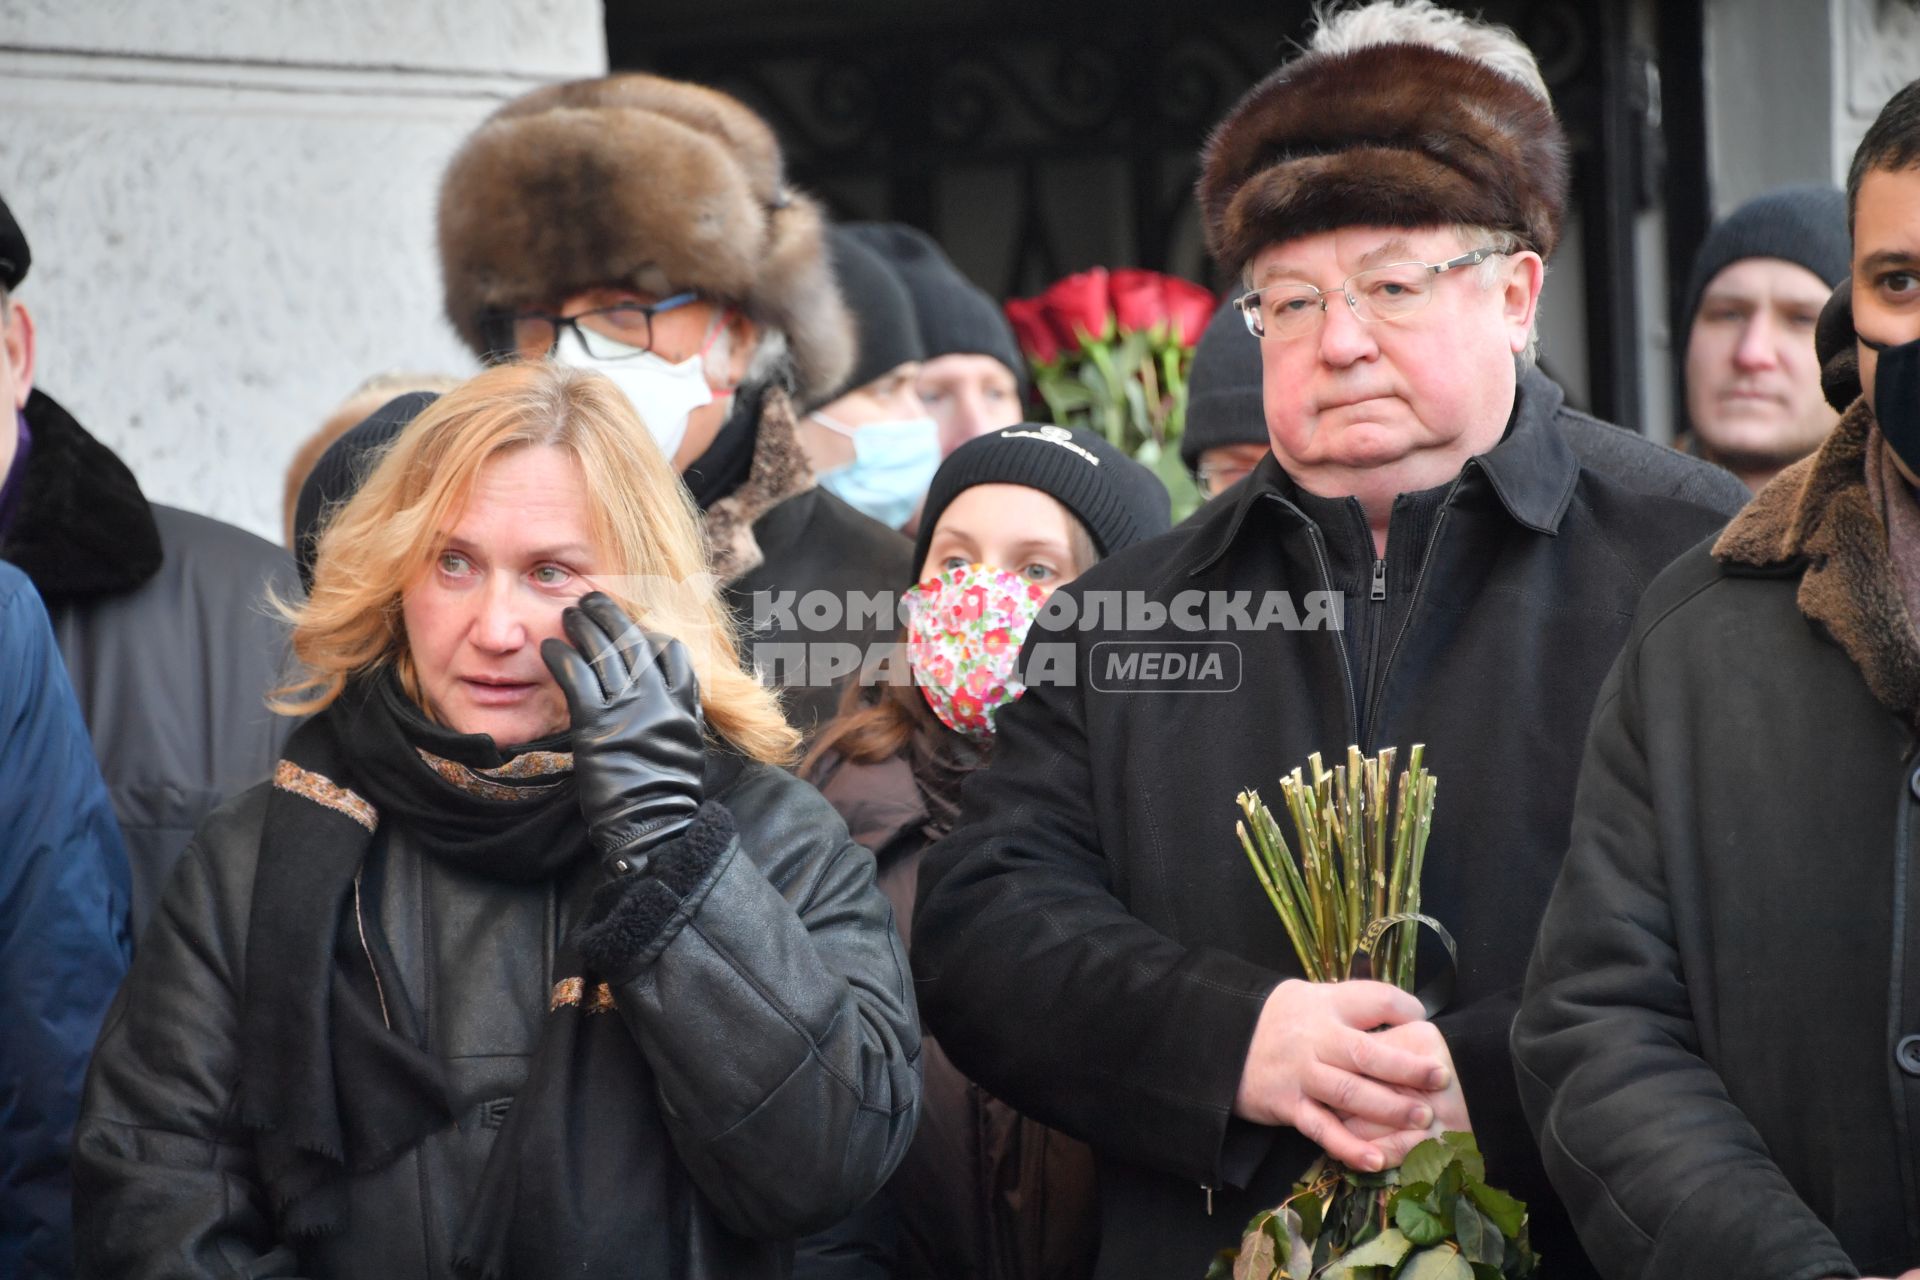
{"x": 1380, "y": 578}
{"x": 1209, "y": 1190}
{"x": 1378, "y": 678}
{"x": 360, "y": 927}
{"x": 1318, "y": 543}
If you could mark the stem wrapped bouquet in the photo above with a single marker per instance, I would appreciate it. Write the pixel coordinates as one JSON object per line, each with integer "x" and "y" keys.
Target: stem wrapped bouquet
{"x": 1349, "y": 899}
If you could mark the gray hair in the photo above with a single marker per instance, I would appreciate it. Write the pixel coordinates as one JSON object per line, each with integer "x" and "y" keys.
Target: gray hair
{"x": 1423, "y": 22}
{"x": 1488, "y": 275}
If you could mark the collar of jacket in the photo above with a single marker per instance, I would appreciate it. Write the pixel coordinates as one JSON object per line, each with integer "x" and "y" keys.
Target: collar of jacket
{"x": 1531, "y": 470}
{"x": 82, "y": 527}
{"x": 1817, "y": 519}
{"x": 779, "y": 471}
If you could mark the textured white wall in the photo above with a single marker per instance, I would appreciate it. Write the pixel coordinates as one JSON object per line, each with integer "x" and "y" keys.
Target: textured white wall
{"x": 230, "y": 206}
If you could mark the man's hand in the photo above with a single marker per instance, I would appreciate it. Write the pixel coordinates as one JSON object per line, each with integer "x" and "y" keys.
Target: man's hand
{"x": 1449, "y": 1104}
{"x": 1315, "y": 1059}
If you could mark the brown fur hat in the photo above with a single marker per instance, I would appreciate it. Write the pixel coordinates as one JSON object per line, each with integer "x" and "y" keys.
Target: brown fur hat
{"x": 1398, "y": 135}
{"x": 641, "y": 181}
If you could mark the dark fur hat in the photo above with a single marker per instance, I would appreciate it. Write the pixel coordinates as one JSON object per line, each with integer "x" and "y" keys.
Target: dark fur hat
{"x": 633, "y": 179}
{"x": 1399, "y": 135}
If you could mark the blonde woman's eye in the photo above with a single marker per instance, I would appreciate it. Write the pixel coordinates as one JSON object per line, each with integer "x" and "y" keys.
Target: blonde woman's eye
{"x": 451, "y": 563}
{"x": 551, "y": 575}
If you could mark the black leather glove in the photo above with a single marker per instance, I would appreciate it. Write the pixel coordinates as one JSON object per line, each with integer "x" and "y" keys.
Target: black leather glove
{"x": 638, "y": 737}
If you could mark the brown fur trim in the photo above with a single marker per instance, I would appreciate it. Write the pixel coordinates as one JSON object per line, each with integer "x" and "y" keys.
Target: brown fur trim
{"x": 1389, "y": 135}
{"x": 779, "y": 471}
{"x": 1820, "y": 510}
{"x": 629, "y": 180}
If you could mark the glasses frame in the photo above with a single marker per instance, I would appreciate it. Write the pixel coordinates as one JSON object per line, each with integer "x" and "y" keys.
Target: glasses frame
{"x": 509, "y": 320}
{"x": 1248, "y": 304}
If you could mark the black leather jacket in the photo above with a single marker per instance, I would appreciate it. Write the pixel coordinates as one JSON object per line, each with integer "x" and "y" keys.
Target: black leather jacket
{"x": 778, "y": 1022}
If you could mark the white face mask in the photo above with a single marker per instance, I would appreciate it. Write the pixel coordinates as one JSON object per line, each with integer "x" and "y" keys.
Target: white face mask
{"x": 662, "y": 393}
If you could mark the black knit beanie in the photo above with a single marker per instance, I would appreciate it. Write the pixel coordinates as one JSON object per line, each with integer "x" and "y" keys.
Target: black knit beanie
{"x": 343, "y": 468}
{"x": 1803, "y": 225}
{"x": 1119, "y": 501}
{"x": 1223, "y": 388}
{"x": 957, "y": 317}
{"x": 887, "y": 332}
{"x": 14, "y": 257}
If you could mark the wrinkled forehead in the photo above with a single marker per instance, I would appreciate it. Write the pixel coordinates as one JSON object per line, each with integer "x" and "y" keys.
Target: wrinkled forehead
{"x": 1325, "y": 257}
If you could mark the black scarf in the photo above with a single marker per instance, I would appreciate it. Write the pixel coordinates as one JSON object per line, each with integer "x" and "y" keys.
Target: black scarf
{"x": 335, "y": 1077}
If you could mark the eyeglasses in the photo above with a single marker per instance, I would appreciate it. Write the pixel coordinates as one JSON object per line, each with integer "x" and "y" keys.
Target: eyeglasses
{"x": 1393, "y": 292}
{"x": 1217, "y": 477}
{"x": 615, "y": 333}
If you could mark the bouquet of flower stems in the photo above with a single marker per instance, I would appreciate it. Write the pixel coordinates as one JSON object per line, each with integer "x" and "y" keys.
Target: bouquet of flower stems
{"x": 1349, "y": 899}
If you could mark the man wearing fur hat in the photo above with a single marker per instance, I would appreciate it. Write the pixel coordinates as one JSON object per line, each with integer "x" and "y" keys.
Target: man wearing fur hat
{"x": 644, "y": 228}
{"x": 1090, "y": 942}
{"x": 1720, "y": 1041}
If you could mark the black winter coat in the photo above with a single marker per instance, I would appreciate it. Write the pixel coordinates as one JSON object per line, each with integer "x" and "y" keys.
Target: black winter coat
{"x": 162, "y": 618}
{"x": 1090, "y": 943}
{"x": 777, "y": 1020}
{"x": 1720, "y": 1043}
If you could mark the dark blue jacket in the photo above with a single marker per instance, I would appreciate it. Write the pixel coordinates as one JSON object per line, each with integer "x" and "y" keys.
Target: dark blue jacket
{"x": 64, "y": 893}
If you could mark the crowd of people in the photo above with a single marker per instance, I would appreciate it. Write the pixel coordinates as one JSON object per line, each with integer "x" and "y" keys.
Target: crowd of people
{"x": 722, "y": 792}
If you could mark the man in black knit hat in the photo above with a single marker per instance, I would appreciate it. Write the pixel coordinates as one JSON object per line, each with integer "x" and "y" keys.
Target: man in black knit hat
{"x": 974, "y": 378}
{"x": 1089, "y": 942}
{"x": 1226, "y": 432}
{"x": 1752, "y": 377}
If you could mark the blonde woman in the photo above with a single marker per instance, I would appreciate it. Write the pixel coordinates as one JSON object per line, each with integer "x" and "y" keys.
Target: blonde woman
{"x": 528, "y": 961}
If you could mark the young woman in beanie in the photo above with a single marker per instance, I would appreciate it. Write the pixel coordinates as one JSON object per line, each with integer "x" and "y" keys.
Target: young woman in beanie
{"x": 1010, "y": 517}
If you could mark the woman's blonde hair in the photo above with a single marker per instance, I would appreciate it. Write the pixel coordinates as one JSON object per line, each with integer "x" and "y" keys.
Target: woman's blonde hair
{"x": 642, "y": 520}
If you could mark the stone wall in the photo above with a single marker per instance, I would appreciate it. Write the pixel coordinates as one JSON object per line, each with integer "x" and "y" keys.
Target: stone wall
{"x": 230, "y": 206}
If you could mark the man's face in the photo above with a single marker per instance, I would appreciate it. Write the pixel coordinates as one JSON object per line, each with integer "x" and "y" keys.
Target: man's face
{"x": 1753, "y": 380}
{"x": 1886, "y": 264}
{"x": 968, "y": 395}
{"x": 722, "y": 337}
{"x": 16, "y": 375}
{"x": 1374, "y": 409}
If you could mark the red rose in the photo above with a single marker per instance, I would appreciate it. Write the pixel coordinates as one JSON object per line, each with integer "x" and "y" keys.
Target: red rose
{"x": 965, "y": 709}
{"x": 1189, "y": 307}
{"x": 1029, "y": 321}
{"x": 997, "y": 640}
{"x": 973, "y": 602}
{"x": 1139, "y": 301}
{"x": 1077, "y": 307}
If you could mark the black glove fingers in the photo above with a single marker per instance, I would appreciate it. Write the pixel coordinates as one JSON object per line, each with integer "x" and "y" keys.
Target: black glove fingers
{"x": 574, "y": 675}
{"x": 676, "y": 665}
{"x": 593, "y": 644}
{"x": 628, "y": 638}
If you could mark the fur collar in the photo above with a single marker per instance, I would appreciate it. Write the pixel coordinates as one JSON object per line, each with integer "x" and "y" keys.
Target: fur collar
{"x": 82, "y": 527}
{"x": 779, "y": 471}
{"x": 1818, "y": 513}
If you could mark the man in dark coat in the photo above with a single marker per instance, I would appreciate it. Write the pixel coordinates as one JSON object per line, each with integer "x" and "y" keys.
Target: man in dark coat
{"x": 161, "y": 614}
{"x": 1090, "y": 943}
{"x": 63, "y": 932}
{"x": 1720, "y": 1041}
{"x": 644, "y": 228}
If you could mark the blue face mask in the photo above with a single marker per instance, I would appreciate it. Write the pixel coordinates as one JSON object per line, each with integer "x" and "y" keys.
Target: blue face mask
{"x": 893, "y": 463}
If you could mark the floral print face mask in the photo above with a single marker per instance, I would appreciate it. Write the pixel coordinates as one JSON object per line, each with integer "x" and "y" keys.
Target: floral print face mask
{"x": 964, "y": 630}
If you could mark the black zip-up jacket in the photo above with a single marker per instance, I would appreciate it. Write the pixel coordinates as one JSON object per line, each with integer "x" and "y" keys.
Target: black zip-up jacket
{"x": 774, "y": 1012}
{"x": 1090, "y": 943}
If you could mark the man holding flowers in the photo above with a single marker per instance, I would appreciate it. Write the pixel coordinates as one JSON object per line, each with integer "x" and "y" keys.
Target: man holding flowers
{"x": 1090, "y": 942}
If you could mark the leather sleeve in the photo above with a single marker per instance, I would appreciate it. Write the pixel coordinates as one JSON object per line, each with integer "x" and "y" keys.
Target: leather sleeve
{"x": 775, "y": 1007}
{"x": 163, "y": 1177}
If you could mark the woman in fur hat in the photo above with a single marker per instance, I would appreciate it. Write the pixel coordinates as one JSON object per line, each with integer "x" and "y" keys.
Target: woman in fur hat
{"x": 644, "y": 228}
{"x": 529, "y": 961}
